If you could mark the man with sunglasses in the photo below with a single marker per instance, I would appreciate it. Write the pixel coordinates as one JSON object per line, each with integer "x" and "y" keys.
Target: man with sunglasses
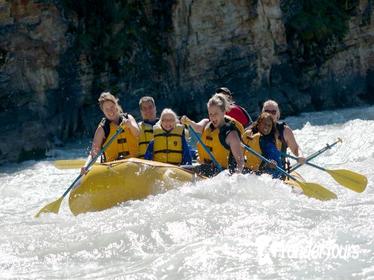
{"x": 286, "y": 135}
{"x": 236, "y": 112}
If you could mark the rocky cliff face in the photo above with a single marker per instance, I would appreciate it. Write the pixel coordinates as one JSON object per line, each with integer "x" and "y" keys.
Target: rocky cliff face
{"x": 226, "y": 43}
{"x": 246, "y": 46}
{"x": 53, "y": 63}
{"x": 32, "y": 41}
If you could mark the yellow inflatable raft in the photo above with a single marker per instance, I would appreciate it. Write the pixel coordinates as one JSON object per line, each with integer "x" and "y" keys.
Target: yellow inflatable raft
{"x": 109, "y": 184}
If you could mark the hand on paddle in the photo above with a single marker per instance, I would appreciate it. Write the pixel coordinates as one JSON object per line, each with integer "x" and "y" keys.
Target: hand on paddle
{"x": 54, "y": 206}
{"x": 249, "y": 134}
{"x": 272, "y": 164}
{"x": 310, "y": 189}
{"x": 83, "y": 170}
{"x": 316, "y": 154}
{"x": 126, "y": 123}
{"x": 185, "y": 120}
{"x": 301, "y": 160}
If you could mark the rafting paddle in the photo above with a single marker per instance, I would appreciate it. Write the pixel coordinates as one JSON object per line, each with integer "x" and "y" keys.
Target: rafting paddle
{"x": 69, "y": 163}
{"x": 310, "y": 189}
{"x": 347, "y": 178}
{"x": 206, "y": 149}
{"x": 314, "y": 155}
{"x": 54, "y": 206}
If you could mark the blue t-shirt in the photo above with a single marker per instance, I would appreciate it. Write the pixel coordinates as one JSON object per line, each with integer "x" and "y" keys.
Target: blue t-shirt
{"x": 270, "y": 151}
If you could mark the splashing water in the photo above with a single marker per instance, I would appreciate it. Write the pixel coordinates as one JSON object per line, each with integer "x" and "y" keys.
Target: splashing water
{"x": 238, "y": 227}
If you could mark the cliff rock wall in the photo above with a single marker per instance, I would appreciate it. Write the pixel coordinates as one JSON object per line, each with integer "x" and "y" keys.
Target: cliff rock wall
{"x": 56, "y": 56}
{"x": 32, "y": 41}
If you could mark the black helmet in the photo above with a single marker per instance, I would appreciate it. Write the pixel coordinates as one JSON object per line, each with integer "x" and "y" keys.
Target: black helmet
{"x": 224, "y": 90}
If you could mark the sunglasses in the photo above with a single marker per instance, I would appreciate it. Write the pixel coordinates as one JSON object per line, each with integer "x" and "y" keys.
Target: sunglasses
{"x": 273, "y": 112}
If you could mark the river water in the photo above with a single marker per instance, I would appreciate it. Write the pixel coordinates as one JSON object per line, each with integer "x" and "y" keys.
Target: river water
{"x": 238, "y": 227}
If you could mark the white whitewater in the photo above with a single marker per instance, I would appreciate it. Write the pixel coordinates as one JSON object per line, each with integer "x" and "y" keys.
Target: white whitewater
{"x": 238, "y": 227}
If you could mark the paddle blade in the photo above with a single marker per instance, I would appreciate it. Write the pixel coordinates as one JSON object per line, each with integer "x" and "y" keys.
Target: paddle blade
{"x": 53, "y": 207}
{"x": 69, "y": 164}
{"x": 316, "y": 191}
{"x": 351, "y": 180}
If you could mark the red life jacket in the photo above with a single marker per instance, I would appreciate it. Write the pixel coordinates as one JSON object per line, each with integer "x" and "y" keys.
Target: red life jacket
{"x": 240, "y": 114}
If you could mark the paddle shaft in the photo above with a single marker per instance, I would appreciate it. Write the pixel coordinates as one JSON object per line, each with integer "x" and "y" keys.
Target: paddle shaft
{"x": 312, "y": 156}
{"x": 93, "y": 160}
{"x": 307, "y": 162}
{"x": 309, "y": 189}
{"x": 347, "y": 178}
{"x": 249, "y": 149}
{"x": 206, "y": 149}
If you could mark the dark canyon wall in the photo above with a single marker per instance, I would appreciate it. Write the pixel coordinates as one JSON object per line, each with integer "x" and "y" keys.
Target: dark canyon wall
{"x": 57, "y": 56}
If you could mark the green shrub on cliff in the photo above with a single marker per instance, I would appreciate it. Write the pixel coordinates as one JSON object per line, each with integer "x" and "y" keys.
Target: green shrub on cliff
{"x": 118, "y": 37}
{"x": 316, "y": 26}
{"x": 107, "y": 29}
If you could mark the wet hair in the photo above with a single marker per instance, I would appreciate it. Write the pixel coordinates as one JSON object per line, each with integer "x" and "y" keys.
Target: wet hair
{"x": 146, "y": 99}
{"x": 107, "y": 96}
{"x": 219, "y": 100}
{"x": 168, "y": 111}
{"x": 262, "y": 117}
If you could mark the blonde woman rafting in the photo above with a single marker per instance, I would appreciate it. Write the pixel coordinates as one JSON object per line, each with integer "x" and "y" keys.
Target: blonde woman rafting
{"x": 126, "y": 143}
{"x": 220, "y": 134}
{"x": 169, "y": 144}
